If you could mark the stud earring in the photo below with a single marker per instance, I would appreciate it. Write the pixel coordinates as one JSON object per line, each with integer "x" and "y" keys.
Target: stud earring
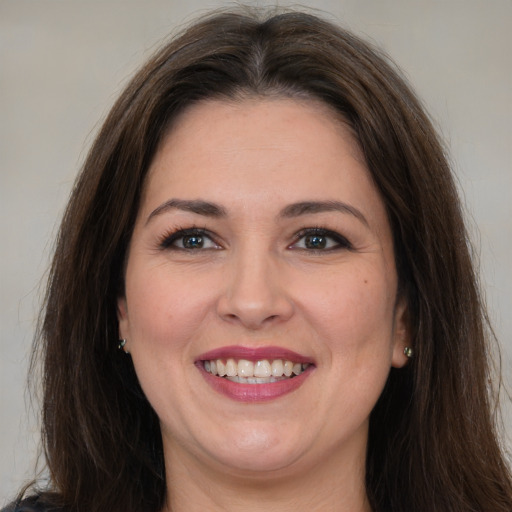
{"x": 408, "y": 352}
{"x": 121, "y": 345}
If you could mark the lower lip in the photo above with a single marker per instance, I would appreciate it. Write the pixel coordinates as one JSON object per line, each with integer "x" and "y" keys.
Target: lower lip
{"x": 255, "y": 392}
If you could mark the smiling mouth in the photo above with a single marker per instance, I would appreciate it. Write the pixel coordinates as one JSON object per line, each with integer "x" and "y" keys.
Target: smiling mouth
{"x": 263, "y": 371}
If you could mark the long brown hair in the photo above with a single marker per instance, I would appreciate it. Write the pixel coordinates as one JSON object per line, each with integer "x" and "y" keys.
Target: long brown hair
{"x": 433, "y": 444}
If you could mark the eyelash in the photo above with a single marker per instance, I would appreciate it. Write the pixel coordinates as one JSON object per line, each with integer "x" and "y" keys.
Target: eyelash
{"x": 340, "y": 241}
{"x": 168, "y": 240}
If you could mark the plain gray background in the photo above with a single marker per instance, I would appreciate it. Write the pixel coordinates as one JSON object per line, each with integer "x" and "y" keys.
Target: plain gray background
{"x": 63, "y": 62}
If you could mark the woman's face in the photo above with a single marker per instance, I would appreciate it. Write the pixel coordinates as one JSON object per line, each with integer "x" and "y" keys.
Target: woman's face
{"x": 262, "y": 248}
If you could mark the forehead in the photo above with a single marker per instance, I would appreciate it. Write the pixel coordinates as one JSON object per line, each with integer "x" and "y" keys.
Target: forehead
{"x": 255, "y": 144}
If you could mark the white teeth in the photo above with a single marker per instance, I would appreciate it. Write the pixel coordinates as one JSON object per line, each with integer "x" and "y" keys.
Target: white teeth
{"x": 245, "y": 368}
{"x": 277, "y": 368}
{"x": 231, "y": 368}
{"x": 258, "y": 372}
{"x": 221, "y": 368}
{"x": 254, "y": 380}
{"x": 262, "y": 369}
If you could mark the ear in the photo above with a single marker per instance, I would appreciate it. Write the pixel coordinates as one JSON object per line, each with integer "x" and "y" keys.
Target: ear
{"x": 401, "y": 334}
{"x": 122, "y": 318}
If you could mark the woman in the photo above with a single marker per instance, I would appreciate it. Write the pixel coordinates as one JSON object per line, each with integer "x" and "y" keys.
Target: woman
{"x": 262, "y": 295}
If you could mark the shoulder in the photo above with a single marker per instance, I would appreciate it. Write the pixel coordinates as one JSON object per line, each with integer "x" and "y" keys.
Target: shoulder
{"x": 31, "y": 504}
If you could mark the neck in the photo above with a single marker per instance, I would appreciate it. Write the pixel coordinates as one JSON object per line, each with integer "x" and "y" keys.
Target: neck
{"x": 328, "y": 486}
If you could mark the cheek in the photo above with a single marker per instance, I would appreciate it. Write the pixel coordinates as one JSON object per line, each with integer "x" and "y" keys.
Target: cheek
{"x": 166, "y": 312}
{"x": 165, "y": 309}
{"x": 355, "y": 311}
{"x": 355, "y": 322}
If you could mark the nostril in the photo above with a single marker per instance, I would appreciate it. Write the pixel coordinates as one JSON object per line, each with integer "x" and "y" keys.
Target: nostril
{"x": 254, "y": 305}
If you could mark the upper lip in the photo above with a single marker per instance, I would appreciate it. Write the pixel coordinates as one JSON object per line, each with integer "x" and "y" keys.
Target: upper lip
{"x": 254, "y": 354}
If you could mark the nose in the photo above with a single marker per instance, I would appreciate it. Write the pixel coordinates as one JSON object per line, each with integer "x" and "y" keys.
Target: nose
{"x": 255, "y": 294}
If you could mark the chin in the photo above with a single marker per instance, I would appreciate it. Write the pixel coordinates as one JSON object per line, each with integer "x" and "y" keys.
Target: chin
{"x": 257, "y": 450}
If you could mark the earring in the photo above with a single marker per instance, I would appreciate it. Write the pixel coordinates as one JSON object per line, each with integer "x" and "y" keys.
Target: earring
{"x": 408, "y": 352}
{"x": 121, "y": 345}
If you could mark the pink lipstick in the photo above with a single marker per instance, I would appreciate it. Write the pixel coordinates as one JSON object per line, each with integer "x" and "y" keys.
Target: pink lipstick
{"x": 254, "y": 374}
{"x": 254, "y": 354}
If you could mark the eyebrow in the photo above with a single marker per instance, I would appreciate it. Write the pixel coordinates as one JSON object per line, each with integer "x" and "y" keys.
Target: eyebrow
{"x": 208, "y": 209}
{"x": 309, "y": 207}
{"x": 195, "y": 206}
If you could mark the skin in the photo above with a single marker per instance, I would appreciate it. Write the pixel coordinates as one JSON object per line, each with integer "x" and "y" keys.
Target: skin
{"x": 255, "y": 283}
